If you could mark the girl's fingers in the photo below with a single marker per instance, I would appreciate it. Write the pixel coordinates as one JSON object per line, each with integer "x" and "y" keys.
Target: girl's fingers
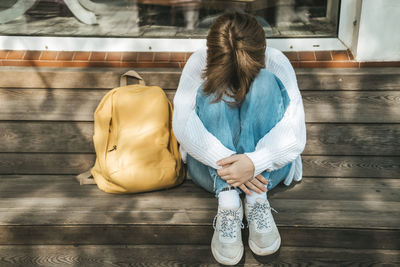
{"x": 262, "y": 179}
{"x": 224, "y": 171}
{"x": 253, "y": 187}
{"x": 259, "y": 185}
{"x": 245, "y": 190}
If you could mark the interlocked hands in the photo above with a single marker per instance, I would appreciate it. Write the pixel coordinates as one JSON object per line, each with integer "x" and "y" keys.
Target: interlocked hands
{"x": 238, "y": 170}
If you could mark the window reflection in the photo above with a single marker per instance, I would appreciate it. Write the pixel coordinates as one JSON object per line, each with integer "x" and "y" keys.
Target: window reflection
{"x": 162, "y": 18}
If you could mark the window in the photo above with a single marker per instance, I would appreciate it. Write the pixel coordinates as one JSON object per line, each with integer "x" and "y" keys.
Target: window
{"x": 163, "y": 18}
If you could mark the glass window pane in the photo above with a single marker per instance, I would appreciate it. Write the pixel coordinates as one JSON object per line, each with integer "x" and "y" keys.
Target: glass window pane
{"x": 163, "y": 18}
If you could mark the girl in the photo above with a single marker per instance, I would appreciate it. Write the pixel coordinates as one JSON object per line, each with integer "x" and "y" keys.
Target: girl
{"x": 239, "y": 118}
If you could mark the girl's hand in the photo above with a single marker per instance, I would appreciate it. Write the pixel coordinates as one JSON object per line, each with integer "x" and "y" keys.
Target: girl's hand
{"x": 257, "y": 184}
{"x": 236, "y": 170}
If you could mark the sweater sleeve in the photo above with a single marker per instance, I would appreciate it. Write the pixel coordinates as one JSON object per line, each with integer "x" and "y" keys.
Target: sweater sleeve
{"x": 189, "y": 130}
{"x": 284, "y": 143}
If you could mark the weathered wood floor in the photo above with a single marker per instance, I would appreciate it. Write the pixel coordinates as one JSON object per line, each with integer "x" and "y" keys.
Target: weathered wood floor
{"x": 345, "y": 211}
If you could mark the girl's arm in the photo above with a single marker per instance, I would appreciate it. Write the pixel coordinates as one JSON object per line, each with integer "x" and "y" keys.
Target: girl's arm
{"x": 284, "y": 143}
{"x": 190, "y": 132}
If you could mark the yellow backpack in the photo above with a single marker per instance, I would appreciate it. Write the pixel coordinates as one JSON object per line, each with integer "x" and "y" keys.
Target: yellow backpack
{"x": 136, "y": 150}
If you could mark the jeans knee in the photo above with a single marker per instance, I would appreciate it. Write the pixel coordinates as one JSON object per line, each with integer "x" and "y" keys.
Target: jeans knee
{"x": 199, "y": 174}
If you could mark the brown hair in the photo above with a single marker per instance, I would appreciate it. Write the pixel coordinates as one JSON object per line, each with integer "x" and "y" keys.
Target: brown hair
{"x": 235, "y": 54}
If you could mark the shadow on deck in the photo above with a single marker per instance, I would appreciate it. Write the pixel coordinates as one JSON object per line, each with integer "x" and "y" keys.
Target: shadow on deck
{"x": 345, "y": 211}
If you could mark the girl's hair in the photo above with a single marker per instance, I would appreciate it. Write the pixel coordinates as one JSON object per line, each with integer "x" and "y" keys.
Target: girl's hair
{"x": 235, "y": 54}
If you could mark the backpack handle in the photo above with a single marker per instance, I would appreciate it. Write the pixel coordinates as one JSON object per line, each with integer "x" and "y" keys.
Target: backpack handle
{"x": 123, "y": 81}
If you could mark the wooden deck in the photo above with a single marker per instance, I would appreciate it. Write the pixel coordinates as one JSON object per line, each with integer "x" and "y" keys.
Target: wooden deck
{"x": 345, "y": 211}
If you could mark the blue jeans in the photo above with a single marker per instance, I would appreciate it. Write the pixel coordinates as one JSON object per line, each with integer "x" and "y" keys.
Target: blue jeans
{"x": 240, "y": 128}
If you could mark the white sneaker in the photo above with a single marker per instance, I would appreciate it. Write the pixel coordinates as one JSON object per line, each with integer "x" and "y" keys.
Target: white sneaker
{"x": 226, "y": 244}
{"x": 264, "y": 238}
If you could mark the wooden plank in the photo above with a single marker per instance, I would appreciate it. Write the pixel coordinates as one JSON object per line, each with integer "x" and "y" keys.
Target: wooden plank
{"x": 78, "y": 235}
{"x": 47, "y": 136}
{"x": 340, "y": 238}
{"x": 41, "y": 104}
{"x": 322, "y": 139}
{"x": 308, "y": 204}
{"x": 59, "y": 104}
{"x": 348, "y": 107}
{"x": 54, "y": 186}
{"x": 346, "y": 189}
{"x": 348, "y": 82}
{"x": 348, "y": 71}
{"x": 348, "y": 79}
{"x": 346, "y": 166}
{"x": 137, "y": 211}
{"x": 186, "y": 255}
{"x": 83, "y": 78}
{"x": 310, "y": 188}
{"x": 79, "y": 105}
{"x": 353, "y": 139}
{"x": 168, "y": 78}
{"x": 317, "y": 166}
{"x": 148, "y": 210}
{"x": 59, "y": 78}
{"x": 296, "y": 213}
{"x": 15, "y": 163}
{"x": 34, "y": 215}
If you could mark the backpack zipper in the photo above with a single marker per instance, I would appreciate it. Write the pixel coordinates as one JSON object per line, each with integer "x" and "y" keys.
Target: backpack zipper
{"x": 114, "y": 148}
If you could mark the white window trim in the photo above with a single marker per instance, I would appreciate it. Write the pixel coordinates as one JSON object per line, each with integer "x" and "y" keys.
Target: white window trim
{"x": 151, "y": 44}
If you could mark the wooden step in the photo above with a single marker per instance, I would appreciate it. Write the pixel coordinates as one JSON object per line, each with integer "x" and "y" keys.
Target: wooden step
{"x": 100, "y": 78}
{"x": 332, "y": 150}
{"x": 314, "y": 165}
{"x": 322, "y": 139}
{"x": 329, "y": 212}
{"x": 186, "y": 255}
{"x": 79, "y": 105}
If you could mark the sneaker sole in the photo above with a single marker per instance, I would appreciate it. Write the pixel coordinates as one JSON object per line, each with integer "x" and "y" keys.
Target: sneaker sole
{"x": 265, "y": 251}
{"x": 227, "y": 261}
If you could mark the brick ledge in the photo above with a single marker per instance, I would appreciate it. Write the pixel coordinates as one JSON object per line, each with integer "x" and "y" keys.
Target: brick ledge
{"x": 307, "y": 59}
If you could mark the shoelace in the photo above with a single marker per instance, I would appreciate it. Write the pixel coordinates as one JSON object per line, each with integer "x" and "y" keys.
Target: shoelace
{"x": 260, "y": 216}
{"x": 229, "y": 219}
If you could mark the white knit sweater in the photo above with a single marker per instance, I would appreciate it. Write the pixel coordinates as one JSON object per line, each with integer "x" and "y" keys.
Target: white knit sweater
{"x": 282, "y": 145}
